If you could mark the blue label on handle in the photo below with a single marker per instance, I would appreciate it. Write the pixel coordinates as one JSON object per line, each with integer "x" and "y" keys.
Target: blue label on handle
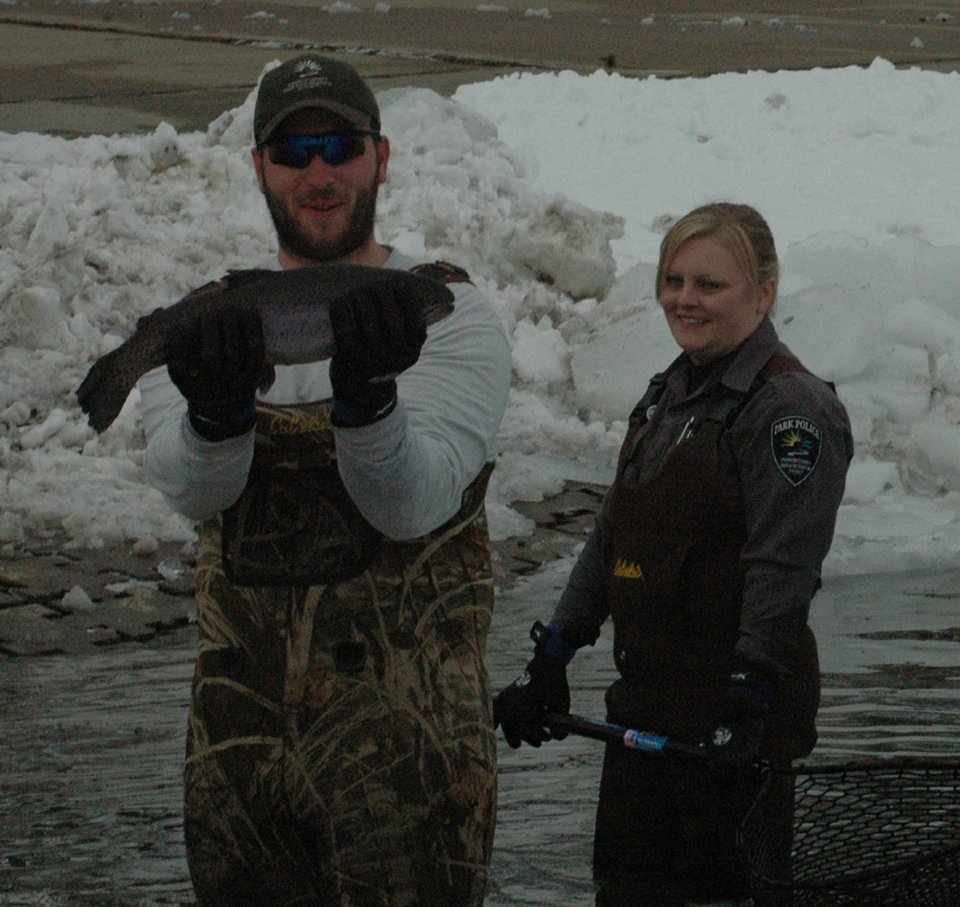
{"x": 641, "y": 740}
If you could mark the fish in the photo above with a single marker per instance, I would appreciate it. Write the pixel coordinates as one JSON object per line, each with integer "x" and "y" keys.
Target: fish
{"x": 294, "y": 307}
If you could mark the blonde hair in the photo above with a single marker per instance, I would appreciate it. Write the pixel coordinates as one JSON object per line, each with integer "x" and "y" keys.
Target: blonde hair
{"x": 740, "y": 228}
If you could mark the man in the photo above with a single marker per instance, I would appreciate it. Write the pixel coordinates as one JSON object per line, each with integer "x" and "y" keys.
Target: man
{"x": 340, "y": 745}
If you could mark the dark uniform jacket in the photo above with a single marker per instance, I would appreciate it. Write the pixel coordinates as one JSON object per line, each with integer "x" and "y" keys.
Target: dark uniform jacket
{"x": 775, "y": 484}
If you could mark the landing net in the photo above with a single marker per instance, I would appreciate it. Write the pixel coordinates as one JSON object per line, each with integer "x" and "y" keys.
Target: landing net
{"x": 864, "y": 834}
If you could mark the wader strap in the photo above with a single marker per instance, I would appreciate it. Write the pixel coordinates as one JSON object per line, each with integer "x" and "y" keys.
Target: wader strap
{"x": 658, "y": 384}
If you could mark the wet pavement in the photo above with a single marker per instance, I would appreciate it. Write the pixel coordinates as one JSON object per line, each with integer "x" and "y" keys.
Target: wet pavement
{"x": 60, "y": 600}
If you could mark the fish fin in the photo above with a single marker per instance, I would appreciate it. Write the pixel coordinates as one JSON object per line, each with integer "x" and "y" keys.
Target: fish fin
{"x": 267, "y": 377}
{"x": 442, "y": 271}
{"x": 145, "y": 320}
{"x": 104, "y": 390}
{"x": 241, "y": 276}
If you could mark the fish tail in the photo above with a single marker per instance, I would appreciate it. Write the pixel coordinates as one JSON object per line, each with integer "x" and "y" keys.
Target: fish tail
{"x": 105, "y": 389}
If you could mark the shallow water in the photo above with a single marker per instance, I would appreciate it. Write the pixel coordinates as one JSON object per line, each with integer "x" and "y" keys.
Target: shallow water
{"x": 91, "y": 747}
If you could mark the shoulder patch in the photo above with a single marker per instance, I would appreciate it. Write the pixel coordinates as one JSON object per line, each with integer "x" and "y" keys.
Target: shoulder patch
{"x": 795, "y": 445}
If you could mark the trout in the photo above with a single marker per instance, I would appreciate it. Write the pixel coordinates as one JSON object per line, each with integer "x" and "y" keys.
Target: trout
{"x": 294, "y": 307}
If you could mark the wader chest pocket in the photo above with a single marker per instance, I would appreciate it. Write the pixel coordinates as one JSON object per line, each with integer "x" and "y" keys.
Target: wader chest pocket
{"x": 295, "y": 524}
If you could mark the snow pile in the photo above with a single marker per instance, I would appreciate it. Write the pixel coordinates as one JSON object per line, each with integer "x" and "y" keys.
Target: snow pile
{"x": 554, "y": 192}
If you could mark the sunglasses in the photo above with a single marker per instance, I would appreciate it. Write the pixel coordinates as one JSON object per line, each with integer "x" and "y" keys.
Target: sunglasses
{"x": 334, "y": 148}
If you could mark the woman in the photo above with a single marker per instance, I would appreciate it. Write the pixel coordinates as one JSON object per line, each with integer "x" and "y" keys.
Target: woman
{"x": 705, "y": 554}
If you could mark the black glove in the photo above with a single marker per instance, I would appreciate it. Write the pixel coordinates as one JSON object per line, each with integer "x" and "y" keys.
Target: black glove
{"x": 542, "y": 687}
{"x": 217, "y": 361}
{"x": 747, "y": 701}
{"x": 378, "y": 332}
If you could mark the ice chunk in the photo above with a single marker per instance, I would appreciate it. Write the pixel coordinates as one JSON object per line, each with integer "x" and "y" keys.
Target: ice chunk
{"x": 918, "y": 323}
{"x": 939, "y": 443}
{"x": 539, "y": 352}
{"x": 832, "y": 332}
{"x": 862, "y": 269}
{"x": 867, "y": 478}
{"x": 611, "y": 372}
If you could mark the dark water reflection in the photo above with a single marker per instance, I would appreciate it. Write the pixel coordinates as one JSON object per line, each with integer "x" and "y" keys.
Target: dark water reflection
{"x": 91, "y": 747}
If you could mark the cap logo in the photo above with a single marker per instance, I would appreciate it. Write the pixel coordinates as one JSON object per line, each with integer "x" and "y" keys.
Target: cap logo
{"x": 307, "y": 74}
{"x": 307, "y": 66}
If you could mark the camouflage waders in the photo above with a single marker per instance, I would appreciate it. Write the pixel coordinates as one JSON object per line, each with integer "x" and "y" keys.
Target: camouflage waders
{"x": 340, "y": 747}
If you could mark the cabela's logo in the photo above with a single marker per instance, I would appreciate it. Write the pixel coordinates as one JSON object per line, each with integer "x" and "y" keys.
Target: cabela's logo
{"x": 627, "y": 569}
{"x": 795, "y": 445}
{"x": 293, "y": 420}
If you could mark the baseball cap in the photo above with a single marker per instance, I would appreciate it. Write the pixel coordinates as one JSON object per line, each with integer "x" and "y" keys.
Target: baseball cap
{"x": 313, "y": 81}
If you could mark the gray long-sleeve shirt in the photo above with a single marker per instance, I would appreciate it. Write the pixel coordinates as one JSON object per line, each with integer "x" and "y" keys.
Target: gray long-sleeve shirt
{"x": 789, "y": 523}
{"x": 406, "y": 473}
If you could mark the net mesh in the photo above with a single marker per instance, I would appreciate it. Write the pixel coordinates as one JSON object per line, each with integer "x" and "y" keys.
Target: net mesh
{"x": 869, "y": 834}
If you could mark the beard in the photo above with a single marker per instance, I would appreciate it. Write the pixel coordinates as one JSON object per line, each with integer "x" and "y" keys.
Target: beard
{"x": 299, "y": 243}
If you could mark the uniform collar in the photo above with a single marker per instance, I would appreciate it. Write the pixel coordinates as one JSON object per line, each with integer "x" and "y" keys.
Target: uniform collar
{"x": 739, "y": 372}
{"x": 754, "y": 354}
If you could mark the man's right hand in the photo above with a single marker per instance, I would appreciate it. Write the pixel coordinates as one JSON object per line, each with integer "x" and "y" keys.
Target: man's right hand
{"x": 520, "y": 708}
{"x": 216, "y": 362}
